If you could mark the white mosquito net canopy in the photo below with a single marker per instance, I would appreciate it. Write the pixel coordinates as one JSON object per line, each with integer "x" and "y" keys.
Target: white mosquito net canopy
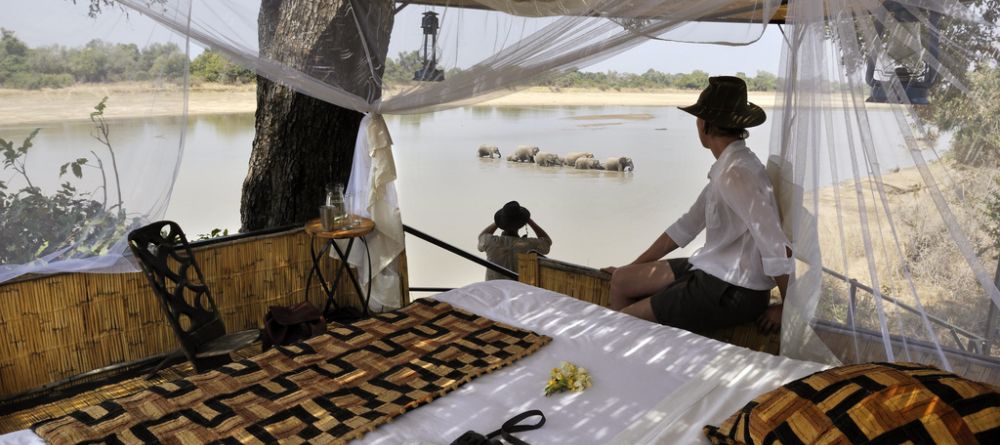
{"x": 884, "y": 271}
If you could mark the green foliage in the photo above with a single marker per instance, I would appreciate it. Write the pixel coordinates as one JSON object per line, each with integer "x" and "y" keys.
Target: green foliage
{"x": 400, "y": 71}
{"x": 967, "y": 101}
{"x": 211, "y": 66}
{"x": 215, "y": 233}
{"x": 97, "y": 61}
{"x": 28, "y": 81}
{"x": 12, "y": 55}
{"x": 652, "y": 79}
{"x": 991, "y": 212}
{"x": 69, "y": 223}
{"x": 973, "y": 117}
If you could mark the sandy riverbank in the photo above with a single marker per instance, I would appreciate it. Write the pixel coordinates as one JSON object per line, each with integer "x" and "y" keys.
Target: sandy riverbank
{"x": 125, "y": 100}
{"x": 128, "y": 100}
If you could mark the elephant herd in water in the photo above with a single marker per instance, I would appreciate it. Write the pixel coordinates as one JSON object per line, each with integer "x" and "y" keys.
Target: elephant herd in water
{"x": 577, "y": 159}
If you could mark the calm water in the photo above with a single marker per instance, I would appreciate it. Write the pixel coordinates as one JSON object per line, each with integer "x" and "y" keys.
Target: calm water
{"x": 594, "y": 218}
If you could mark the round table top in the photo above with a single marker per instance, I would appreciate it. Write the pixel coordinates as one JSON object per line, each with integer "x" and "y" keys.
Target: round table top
{"x": 361, "y": 227}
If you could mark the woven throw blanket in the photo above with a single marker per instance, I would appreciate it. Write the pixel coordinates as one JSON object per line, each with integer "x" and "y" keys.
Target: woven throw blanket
{"x": 329, "y": 389}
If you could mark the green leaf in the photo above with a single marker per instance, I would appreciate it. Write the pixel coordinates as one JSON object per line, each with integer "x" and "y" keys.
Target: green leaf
{"x": 100, "y": 108}
{"x": 62, "y": 169}
{"x": 81, "y": 161}
{"x": 27, "y": 141}
{"x": 77, "y": 170}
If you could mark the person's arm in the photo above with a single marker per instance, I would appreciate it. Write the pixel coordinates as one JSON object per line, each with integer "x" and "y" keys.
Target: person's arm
{"x": 486, "y": 236}
{"x": 679, "y": 234}
{"x": 770, "y": 320}
{"x": 489, "y": 229}
{"x": 538, "y": 230}
{"x": 663, "y": 245}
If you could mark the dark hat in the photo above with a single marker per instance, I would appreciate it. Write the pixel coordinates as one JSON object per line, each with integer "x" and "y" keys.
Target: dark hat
{"x": 511, "y": 217}
{"x": 724, "y": 103}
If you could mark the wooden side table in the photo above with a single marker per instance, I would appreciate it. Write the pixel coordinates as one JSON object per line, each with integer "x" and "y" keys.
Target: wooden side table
{"x": 360, "y": 228}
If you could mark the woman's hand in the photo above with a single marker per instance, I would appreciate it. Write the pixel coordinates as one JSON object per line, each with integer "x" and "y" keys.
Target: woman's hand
{"x": 770, "y": 320}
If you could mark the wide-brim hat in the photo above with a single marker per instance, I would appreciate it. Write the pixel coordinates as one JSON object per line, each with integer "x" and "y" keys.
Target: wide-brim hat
{"x": 724, "y": 103}
{"x": 511, "y": 217}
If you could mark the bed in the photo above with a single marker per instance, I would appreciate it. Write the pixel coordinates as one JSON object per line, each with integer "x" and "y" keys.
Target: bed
{"x": 652, "y": 383}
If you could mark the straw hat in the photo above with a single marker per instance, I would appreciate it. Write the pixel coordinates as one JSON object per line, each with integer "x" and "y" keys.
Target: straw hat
{"x": 724, "y": 103}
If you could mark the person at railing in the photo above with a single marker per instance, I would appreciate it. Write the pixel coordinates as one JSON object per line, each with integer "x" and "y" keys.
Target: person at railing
{"x": 728, "y": 281}
{"x": 503, "y": 249}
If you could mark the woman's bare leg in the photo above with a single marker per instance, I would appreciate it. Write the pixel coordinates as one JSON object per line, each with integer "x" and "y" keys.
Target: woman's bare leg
{"x": 641, "y": 309}
{"x": 632, "y": 283}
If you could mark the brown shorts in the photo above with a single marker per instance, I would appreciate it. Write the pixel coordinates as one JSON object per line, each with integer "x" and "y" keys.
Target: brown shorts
{"x": 699, "y": 302}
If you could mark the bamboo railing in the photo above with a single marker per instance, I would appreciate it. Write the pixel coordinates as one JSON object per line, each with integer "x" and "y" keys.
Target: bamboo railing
{"x": 58, "y": 326}
{"x": 594, "y": 286}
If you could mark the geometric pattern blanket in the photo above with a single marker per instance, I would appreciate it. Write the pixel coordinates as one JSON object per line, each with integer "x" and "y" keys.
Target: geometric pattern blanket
{"x": 329, "y": 389}
{"x": 869, "y": 403}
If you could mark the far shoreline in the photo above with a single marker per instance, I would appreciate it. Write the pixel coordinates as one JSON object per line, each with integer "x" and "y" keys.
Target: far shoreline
{"x": 137, "y": 100}
{"x": 131, "y": 100}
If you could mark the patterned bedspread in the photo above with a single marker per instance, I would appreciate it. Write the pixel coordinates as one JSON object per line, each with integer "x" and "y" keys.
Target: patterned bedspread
{"x": 329, "y": 389}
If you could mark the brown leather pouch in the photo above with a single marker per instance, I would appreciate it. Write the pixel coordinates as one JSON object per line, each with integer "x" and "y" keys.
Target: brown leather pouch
{"x": 284, "y": 325}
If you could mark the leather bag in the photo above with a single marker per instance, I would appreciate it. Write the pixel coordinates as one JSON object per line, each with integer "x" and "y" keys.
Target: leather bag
{"x": 284, "y": 325}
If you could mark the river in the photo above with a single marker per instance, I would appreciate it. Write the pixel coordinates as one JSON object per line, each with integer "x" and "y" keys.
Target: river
{"x": 595, "y": 218}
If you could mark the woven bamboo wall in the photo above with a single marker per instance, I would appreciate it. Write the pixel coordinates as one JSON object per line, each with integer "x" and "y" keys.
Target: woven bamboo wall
{"x": 58, "y": 326}
{"x": 594, "y": 286}
{"x": 582, "y": 283}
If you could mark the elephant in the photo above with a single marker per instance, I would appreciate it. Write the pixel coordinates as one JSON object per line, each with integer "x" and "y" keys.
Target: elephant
{"x": 588, "y": 164}
{"x": 525, "y": 153}
{"x": 544, "y": 159}
{"x": 621, "y": 164}
{"x": 487, "y": 151}
{"x": 572, "y": 156}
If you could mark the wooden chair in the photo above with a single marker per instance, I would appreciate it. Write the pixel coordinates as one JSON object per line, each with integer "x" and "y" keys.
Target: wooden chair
{"x": 594, "y": 286}
{"x": 166, "y": 259}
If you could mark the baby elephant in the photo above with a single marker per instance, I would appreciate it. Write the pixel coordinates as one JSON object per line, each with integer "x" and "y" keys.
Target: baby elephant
{"x": 588, "y": 164}
{"x": 544, "y": 159}
{"x": 571, "y": 157}
{"x": 525, "y": 153}
{"x": 621, "y": 164}
{"x": 487, "y": 151}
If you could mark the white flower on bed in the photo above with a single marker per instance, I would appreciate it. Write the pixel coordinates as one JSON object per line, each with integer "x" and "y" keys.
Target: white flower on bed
{"x": 568, "y": 377}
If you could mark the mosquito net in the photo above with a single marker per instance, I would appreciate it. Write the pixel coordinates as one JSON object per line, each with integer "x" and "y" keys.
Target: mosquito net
{"x": 81, "y": 167}
{"x": 882, "y": 135}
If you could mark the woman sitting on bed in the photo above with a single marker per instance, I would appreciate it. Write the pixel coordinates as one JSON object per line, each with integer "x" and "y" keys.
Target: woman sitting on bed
{"x": 728, "y": 281}
{"x": 503, "y": 249}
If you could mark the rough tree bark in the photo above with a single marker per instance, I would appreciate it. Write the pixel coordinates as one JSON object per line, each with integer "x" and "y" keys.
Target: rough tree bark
{"x": 301, "y": 143}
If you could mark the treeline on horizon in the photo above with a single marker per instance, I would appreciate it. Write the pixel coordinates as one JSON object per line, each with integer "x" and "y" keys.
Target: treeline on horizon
{"x": 400, "y": 71}
{"x": 57, "y": 66}
{"x": 98, "y": 61}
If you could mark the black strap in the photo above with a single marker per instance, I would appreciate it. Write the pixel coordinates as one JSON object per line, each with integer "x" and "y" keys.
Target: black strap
{"x": 511, "y": 426}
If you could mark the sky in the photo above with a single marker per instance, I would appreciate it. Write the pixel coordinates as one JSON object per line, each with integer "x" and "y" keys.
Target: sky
{"x": 467, "y": 36}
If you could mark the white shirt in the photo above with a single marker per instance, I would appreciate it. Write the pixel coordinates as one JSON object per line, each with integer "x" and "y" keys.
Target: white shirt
{"x": 744, "y": 244}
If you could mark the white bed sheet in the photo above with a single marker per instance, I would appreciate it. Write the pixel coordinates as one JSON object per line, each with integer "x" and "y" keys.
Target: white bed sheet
{"x": 652, "y": 383}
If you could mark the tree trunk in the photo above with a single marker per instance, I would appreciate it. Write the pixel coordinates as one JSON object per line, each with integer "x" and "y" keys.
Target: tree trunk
{"x": 303, "y": 144}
